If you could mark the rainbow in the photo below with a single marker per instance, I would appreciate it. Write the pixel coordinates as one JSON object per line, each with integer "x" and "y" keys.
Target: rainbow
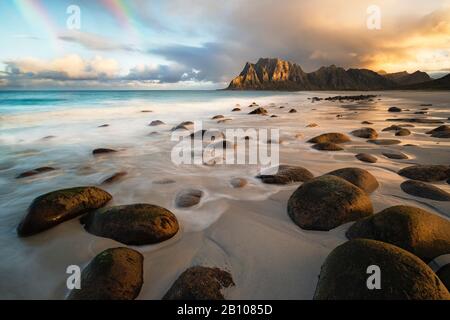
{"x": 35, "y": 13}
{"x": 123, "y": 13}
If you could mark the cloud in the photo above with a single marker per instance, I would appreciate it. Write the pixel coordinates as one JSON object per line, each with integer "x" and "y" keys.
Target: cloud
{"x": 95, "y": 42}
{"x": 70, "y": 67}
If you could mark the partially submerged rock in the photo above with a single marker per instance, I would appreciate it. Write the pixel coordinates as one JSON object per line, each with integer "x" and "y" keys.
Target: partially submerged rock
{"x": 365, "y": 157}
{"x": 384, "y": 142}
{"x": 34, "y": 172}
{"x": 427, "y": 173}
{"x": 394, "y": 109}
{"x": 156, "y": 123}
{"x": 395, "y": 155}
{"x": 292, "y": 111}
{"x": 333, "y": 137}
{"x": 420, "y": 232}
{"x": 403, "y": 132}
{"x": 443, "y": 128}
{"x": 327, "y": 146}
{"x": 326, "y": 202}
{"x": 136, "y": 224}
{"x": 100, "y": 151}
{"x": 115, "y": 177}
{"x": 238, "y": 182}
{"x": 287, "y": 174}
{"x": 53, "y": 208}
{"x": 361, "y": 178}
{"x": 188, "y": 198}
{"x": 260, "y": 111}
{"x": 219, "y": 116}
{"x": 344, "y": 274}
{"x": 114, "y": 274}
{"x": 444, "y": 275}
{"x": 425, "y": 190}
{"x": 200, "y": 283}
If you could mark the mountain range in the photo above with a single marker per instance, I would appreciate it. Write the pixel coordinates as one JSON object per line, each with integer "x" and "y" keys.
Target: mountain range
{"x": 278, "y": 74}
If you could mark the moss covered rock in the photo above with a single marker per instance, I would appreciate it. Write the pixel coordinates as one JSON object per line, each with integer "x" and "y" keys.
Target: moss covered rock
{"x": 361, "y": 178}
{"x": 114, "y": 274}
{"x": 200, "y": 283}
{"x": 53, "y": 208}
{"x": 327, "y": 202}
{"x": 136, "y": 224}
{"x": 427, "y": 173}
{"x": 420, "y": 232}
{"x": 287, "y": 174}
{"x": 403, "y": 276}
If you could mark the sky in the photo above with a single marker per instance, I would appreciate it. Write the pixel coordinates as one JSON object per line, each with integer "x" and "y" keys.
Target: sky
{"x": 203, "y": 44}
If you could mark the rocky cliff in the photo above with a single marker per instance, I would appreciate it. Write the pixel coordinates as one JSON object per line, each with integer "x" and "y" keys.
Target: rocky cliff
{"x": 277, "y": 74}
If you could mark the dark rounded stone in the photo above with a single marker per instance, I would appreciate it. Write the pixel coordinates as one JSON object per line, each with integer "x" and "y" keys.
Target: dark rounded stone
{"x": 236, "y": 110}
{"x": 418, "y": 231}
{"x": 103, "y": 126}
{"x": 424, "y": 190}
{"x": 393, "y": 128}
{"x": 200, "y": 283}
{"x": 188, "y": 198}
{"x": 344, "y": 274}
{"x": 100, "y": 151}
{"x": 332, "y": 137}
{"x": 365, "y": 157}
{"x": 238, "y": 182}
{"x": 361, "y": 178}
{"x": 403, "y": 132}
{"x": 136, "y": 224}
{"x": 443, "y": 128}
{"x": 156, "y": 123}
{"x": 218, "y": 117}
{"x": 35, "y": 172}
{"x": 327, "y": 202}
{"x": 397, "y": 155}
{"x": 427, "y": 173}
{"x": 394, "y": 109}
{"x": 114, "y": 274}
{"x": 384, "y": 142}
{"x": 327, "y": 146}
{"x": 287, "y": 174}
{"x": 292, "y": 111}
{"x": 367, "y": 133}
{"x": 367, "y": 122}
{"x": 53, "y": 208}
{"x": 441, "y": 135}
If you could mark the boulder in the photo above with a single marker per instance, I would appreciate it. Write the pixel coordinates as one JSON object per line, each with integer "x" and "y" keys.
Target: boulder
{"x": 332, "y": 137}
{"x": 292, "y": 111}
{"x": 361, "y": 178}
{"x": 236, "y": 110}
{"x": 188, "y": 198}
{"x": 424, "y": 190}
{"x": 366, "y": 122}
{"x": 200, "y": 283}
{"x": 344, "y": 274}
{"x": 287, "y": 174}
{"x": 441, "y": 135}
{"x": 427, "y": 173}
{"x": 366, "y": 133}
{"x": 418, "y": 231}
{"x": 365, "y": 157}
{"x": 114, "y": 274}
{"x": 327, "y": 146}
{"x": 393, "y": 128}
{"x": 327, "y": 202}
{"x": 53, "y": 208}
{"x": 135, "y": 224}
{"x": 218, "y": 117}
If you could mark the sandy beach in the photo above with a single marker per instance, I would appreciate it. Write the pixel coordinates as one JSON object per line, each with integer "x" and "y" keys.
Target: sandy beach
{"x": 245, "y": 231}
